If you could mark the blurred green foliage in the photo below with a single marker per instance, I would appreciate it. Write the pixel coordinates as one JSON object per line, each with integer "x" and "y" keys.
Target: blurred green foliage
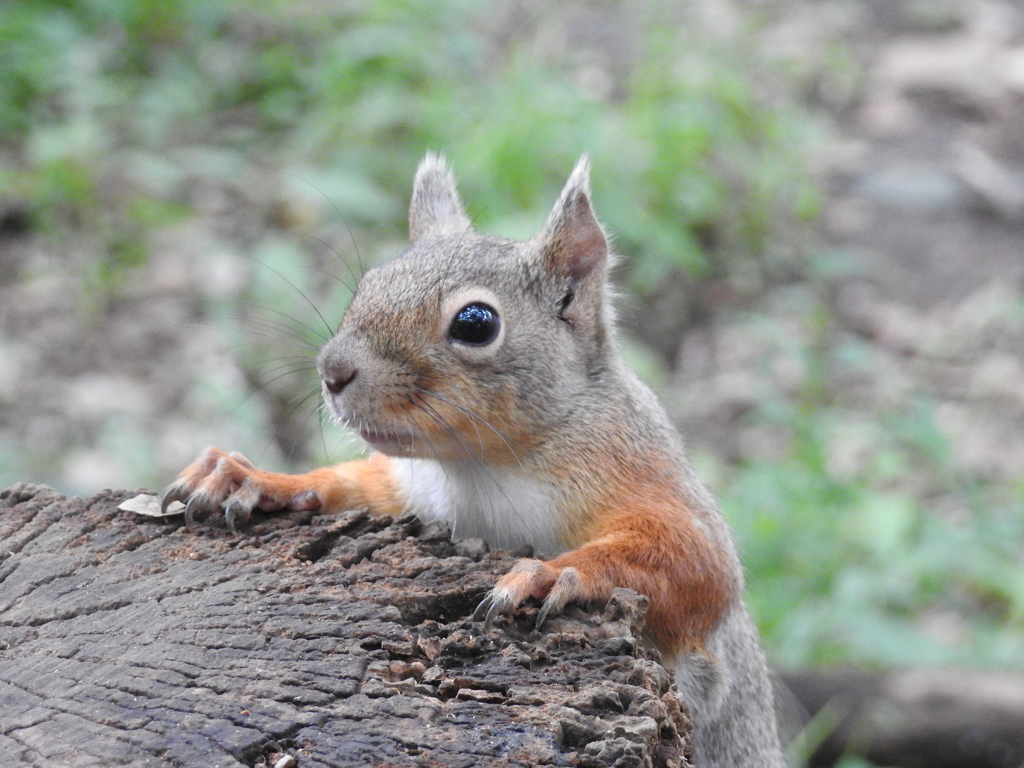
{"x": 857, "y": 569}
{"x": 895, "y": 556}
{"x": 696, "y": 171}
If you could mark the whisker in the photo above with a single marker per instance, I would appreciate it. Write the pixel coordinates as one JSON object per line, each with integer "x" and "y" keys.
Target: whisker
{"x": 454, "y": 512}
{"x": 345, "y": 433}
{"x": 355, "y": 245}
{"x": 438, "y": 418}
{"x": 299, "y": 403}
{"x": 295, "y": 446}
{"x": 424, "y": 377}
{"x": 471, "y": 414}
{"x": 252, "y": 331}
{"x": 332, "y": 249}
{"x": 345, "y": 284}
{"x": 294, "y": 325}
{"x": 298, "y": 290}
{"x": 301, "y": 399}
{"x": 440, "y": 421}
{"x": 284, "y": 374}
{"x": 294, "y": 364}
{"x": 423, "y": 433}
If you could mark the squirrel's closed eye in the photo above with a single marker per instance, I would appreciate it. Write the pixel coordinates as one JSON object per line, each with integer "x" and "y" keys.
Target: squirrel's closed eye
{"x": 476, "y": 325}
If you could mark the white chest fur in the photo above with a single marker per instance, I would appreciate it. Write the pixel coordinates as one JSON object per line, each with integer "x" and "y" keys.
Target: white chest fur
{"x": 503, "y": 507}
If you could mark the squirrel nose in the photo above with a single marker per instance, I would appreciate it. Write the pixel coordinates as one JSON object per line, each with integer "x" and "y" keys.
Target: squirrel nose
{"x": 336, "y": 381}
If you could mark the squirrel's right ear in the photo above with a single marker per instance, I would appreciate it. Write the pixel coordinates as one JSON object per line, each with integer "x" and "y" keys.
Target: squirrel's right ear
{"x": 435, "y": 208}
{"x": 574, "y": 242}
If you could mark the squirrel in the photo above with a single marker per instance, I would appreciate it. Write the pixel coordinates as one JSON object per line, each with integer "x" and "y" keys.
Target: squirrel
{"x": 486, "y": 374}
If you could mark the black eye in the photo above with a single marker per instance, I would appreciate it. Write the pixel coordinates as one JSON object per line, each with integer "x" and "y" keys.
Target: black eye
{"x": 476, "y": 325}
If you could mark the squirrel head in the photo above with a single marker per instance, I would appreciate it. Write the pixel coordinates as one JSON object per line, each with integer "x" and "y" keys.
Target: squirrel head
{"x": 468, "y": 346}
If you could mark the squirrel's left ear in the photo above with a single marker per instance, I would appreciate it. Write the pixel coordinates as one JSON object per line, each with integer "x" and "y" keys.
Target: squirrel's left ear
{"x": 573, "y": 242}
{"x": 435, "y": 208}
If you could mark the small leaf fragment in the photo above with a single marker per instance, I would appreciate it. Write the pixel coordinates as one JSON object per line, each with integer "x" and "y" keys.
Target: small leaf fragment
{"x": 149, "y": 505}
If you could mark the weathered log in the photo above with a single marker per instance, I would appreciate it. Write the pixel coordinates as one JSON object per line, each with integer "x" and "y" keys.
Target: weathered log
{"x": 334, "y": 641}
{"x": 916, "y": 718}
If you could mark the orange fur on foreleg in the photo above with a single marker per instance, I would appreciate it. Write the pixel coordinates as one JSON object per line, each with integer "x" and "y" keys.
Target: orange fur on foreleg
{"x": 667, "y": 557}
{"x": 229, "y": 480}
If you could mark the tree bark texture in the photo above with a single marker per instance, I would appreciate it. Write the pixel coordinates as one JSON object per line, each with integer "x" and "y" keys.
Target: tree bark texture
{"x": 317, "y": 641}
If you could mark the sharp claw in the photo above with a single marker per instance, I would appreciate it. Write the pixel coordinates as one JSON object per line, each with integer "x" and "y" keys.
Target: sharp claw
{"x": 565, "y": 589}
{"x": 229, "y": 516}
{"x": 481, "y": 609}
{"x": 195, "y": 504}
{"x": 234, "y": 514}
{"x": 491, "y": 613}
{"x": 542, "y": 615}
{"x": 172, "y": 494}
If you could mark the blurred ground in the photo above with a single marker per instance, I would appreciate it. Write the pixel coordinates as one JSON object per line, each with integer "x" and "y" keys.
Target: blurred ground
{"x": 924, "y": 216}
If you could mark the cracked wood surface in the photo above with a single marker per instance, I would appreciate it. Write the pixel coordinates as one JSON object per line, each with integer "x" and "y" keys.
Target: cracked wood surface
{"x": 342, "y": 641}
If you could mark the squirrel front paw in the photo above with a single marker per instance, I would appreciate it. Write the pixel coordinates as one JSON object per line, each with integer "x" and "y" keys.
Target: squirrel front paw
{"x": 531, "y": 578}
{"x": 217, "y": 479}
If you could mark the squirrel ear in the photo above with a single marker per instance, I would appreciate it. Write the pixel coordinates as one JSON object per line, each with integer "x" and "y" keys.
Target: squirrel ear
{"x": 574, "y": 243}
{"x": 435, "y": 208}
